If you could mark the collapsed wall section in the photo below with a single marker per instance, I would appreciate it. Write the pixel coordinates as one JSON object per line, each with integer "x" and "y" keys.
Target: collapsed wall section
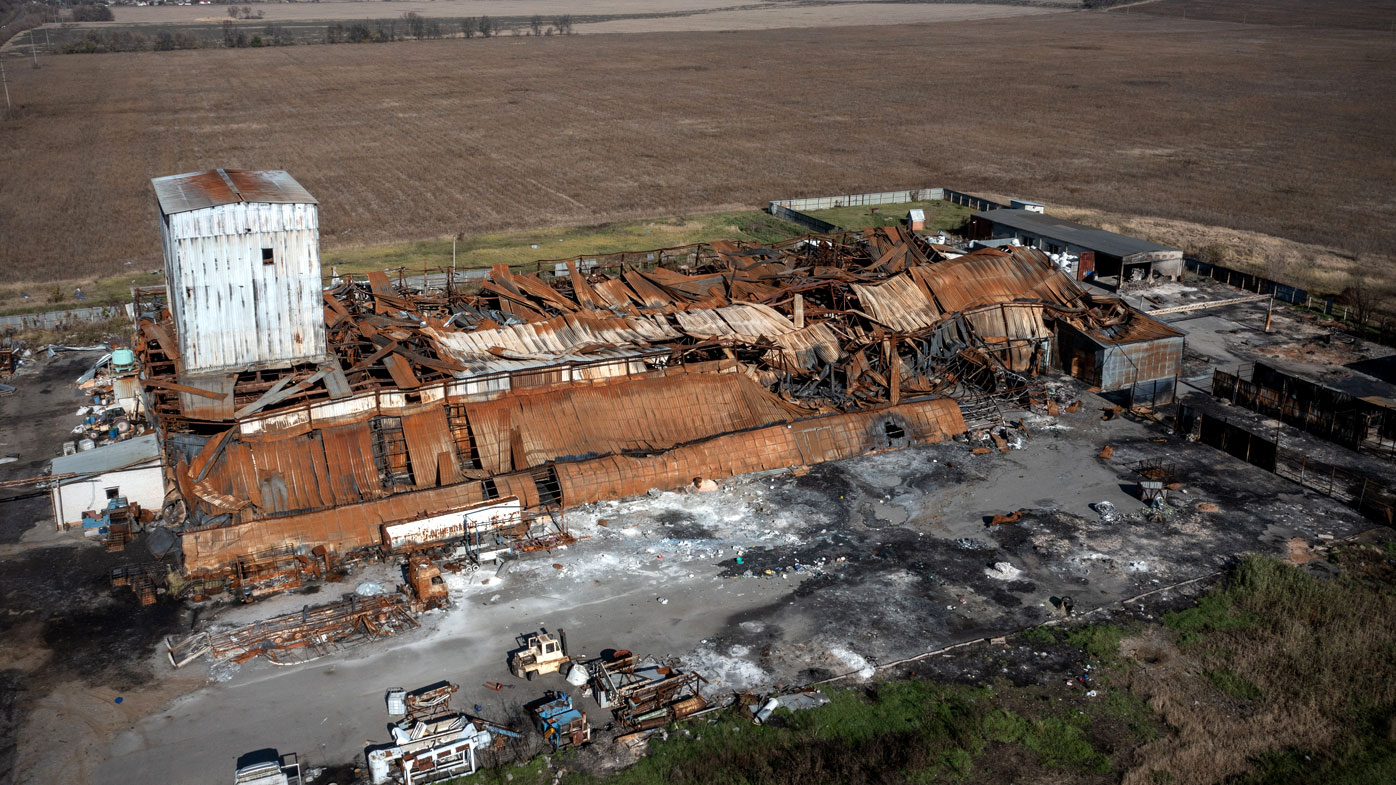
{"x": 604, "y": 461}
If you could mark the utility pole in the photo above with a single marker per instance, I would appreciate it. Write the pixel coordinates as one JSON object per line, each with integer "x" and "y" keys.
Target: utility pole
{"x": 6, "y": 80}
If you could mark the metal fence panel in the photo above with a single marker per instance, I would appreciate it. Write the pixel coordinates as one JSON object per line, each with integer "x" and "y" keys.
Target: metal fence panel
{"x": 51, "y": 319}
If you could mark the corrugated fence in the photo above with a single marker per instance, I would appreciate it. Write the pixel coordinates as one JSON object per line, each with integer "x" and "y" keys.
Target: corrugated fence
{"x": 793, "y": 209}
{"x": 1254, "y": 283}
{"x": 51, "y": 319}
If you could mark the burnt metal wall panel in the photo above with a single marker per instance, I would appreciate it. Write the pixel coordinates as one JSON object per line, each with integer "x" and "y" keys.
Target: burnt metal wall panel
{"x": 815, "y": 440}
{"x": 1128, "y": 365}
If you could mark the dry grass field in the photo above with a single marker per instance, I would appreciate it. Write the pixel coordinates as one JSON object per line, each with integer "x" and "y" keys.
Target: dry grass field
{"x": 1267, "y": 129}
{"x": 1353, "y": 14}
{"x": 447, "y": 9}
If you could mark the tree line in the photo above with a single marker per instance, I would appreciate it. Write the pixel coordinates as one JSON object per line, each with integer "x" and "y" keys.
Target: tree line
{"x": 232, "y": 35}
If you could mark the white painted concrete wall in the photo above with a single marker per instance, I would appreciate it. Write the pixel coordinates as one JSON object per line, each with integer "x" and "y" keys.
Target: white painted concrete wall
{"x": 144, "y": 485}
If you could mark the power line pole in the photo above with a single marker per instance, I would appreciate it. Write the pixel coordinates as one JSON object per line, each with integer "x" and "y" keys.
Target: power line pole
{"x": 6, "y": 80}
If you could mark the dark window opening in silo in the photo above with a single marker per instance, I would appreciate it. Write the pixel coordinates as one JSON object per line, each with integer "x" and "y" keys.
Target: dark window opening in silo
{"x": 268, "y": 257}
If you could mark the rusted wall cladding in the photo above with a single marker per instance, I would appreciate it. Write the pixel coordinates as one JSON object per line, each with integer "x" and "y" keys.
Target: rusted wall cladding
{"x": 1119, "y": 366}
{"x": 613, "y": 476}
{"x": 310, "y": 468}
{"x": 341, "y": 529}
{"x": 812, "y": 441}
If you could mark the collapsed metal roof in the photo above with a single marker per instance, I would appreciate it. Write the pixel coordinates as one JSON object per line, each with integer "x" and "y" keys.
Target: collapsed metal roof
{"x": 646, "y": 371}
{"x": 198, "y": 190}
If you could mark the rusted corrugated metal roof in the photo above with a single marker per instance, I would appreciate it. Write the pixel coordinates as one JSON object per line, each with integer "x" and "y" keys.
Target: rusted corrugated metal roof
{"x": 198, "y": 190}
{"x": 810, "y": 348}
{"x": 571, "y": 338}
{"x": 899, "y": 304}
{"x": 582, "y": 421}
{"x": 1137, "y": 327}
{"x": 989, "y": 276}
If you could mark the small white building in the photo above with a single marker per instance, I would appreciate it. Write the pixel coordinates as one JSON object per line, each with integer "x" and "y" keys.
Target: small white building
{"x": 242, "y": 269}
{"x": 129, "y": 469}
{"x": 916, "y": 219}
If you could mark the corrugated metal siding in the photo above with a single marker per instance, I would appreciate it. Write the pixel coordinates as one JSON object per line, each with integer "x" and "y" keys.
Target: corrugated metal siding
{"x": 433, "y": 450}
{"x": 342, "y": 529}
{"x": 349, "y": 458}
{"x": 989, "y": 276}
{"x": 1019, "y": 325}
{"x": 808, "y": 441}
{"x": 650, "y": 414}
{"x": 809, "y": 348}
{"x": 231, "y": 310}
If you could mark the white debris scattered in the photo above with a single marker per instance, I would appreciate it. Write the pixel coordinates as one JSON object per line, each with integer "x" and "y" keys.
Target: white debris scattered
{"x": 1106, "y": 511}
{"x": 1003, "y": 571}
{"x": 370, "y": 589}
{"x": 854, "y": 661}
{"x": 728, "y": 670}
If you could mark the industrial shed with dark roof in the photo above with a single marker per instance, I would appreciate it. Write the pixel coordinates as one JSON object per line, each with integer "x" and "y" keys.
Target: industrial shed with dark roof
{"x": 1114, "y": 254}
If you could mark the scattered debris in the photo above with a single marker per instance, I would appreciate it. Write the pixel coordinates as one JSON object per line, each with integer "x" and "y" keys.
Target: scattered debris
{"x": 1003, "y": 571}
{"x": 795, "y": 701}
{"x": 1158, "y": 479}
{"x": 433, "y": 749}
{"x": 643, "y": 696}
{"x": 300, "y": 637}
{"x": 1106, "y": 511}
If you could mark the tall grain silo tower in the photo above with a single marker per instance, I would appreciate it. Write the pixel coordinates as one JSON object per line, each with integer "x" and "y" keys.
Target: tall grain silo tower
{"x": 242, "y": 267}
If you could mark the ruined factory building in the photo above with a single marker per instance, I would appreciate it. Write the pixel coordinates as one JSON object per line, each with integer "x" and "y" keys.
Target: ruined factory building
{"x": 382, "y": 404}
{"x": 1112, "y": 254}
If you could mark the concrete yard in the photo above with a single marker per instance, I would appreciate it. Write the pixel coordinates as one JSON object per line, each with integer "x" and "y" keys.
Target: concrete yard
{"x": 843, "y": 567}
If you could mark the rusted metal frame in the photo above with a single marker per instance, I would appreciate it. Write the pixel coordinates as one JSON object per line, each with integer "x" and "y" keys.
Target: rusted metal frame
{"x": 165, "y": 384}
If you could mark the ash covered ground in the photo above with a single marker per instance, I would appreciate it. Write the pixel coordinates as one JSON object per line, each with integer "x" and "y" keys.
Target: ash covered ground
{"x": 843, "y": 568}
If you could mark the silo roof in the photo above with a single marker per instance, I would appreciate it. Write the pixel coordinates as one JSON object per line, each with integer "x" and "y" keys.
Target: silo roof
{"x": 197, "y": 190}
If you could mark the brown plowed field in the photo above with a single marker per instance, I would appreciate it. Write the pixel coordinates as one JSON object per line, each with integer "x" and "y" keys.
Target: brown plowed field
{"x": 1271, "y": 129}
